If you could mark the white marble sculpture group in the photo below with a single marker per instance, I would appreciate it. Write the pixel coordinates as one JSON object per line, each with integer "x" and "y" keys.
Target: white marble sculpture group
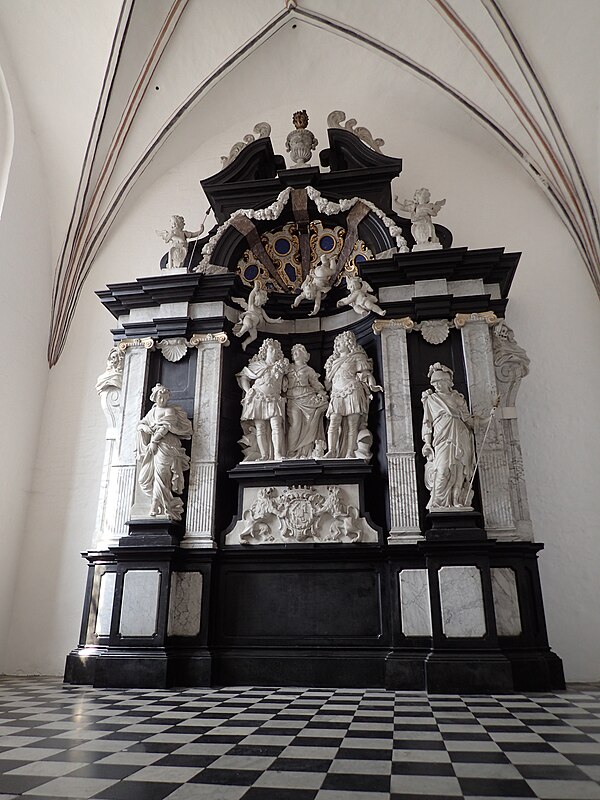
{"x": 317, "y": 284}
{"x": 448, "y": 443}
{"x": 283, "y": 404}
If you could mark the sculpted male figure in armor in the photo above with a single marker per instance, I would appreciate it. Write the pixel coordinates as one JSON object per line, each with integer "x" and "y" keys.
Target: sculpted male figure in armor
{"x": 264, "y": 383}
{"x": 349, "y": 376}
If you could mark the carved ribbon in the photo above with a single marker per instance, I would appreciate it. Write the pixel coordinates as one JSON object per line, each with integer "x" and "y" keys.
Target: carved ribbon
{"x": 358, "y": 212}
{"x": 248, "y": 229}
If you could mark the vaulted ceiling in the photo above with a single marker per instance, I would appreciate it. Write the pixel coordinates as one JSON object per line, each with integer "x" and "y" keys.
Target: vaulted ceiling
{"x": 107, "y": 84}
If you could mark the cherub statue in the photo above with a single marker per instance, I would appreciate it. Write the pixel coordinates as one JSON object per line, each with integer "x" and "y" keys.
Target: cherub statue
{"x": 360, "y": 297}
{"x": 448, "y": 442}
{"x": 162, "y": 459}
{"x": 253, "y": 315}
{"x": 178, "y": 238}
{"x": 300, "y": 142}
{"x": 421, "y": 211}
{"x": 317, "y": 283}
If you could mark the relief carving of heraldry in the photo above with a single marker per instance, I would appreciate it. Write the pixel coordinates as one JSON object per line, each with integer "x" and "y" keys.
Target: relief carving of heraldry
{"x": 300, "y": 514}
{"x": 264, "y": 383}
{"x": 162, "y": 459}
{"x": 349, "y": 377}
{"x": 448, "y": 448}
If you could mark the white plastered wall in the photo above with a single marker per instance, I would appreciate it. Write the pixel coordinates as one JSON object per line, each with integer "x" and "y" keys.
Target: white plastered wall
{"x": 491, "y": 202}
{"x": 25, "y": 276}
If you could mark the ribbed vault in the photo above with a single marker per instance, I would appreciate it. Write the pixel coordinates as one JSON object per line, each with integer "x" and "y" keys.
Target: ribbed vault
{"x": 182, "y": 48}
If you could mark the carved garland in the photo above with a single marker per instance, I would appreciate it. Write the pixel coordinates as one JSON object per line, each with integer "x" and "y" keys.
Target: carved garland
{"x": 274, "y": 211}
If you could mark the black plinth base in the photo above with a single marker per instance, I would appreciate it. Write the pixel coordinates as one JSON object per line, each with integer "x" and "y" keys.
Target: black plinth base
{"x": 315, "y": 667}
{"x": 448, "y": 525}
{"x": 133, "y": 669}
{"x": 152, "y": 533}
{"x": 467, "y": 673}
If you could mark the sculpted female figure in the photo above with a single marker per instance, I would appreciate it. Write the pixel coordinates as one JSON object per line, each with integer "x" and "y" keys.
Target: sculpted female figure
{"x": 306, "y": 404}
{"x": 162, "y": 459}
{"x": 349, "y": 376}
{"x": 448, "y": 448}
{"x": 264, "y": 382}
{"x": 178, "y": 238}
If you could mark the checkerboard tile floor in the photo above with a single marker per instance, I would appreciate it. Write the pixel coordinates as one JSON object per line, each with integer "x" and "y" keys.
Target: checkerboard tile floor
{"x": 294, "y": 744}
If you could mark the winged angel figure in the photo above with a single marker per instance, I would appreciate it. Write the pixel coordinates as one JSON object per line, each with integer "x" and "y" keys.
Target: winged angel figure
{"x": 253, "y": 314}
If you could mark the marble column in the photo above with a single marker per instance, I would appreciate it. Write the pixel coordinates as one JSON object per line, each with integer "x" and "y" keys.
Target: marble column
{"x": 402, "y": 477}
{"x": 494, "y": 475}
{"x": 203, "y": 470}
{"x": 118, "y": 483}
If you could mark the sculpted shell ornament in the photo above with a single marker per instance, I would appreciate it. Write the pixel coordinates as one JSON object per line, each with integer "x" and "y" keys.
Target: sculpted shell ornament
{"x": 434, "y": 331}
{"x": 173, "y": 349}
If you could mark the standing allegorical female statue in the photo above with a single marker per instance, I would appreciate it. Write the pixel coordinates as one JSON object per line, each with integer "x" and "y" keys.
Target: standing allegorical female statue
{"x": 162, "y": 459}
{"x": 448, "y": 448}
{"x": 264, "y": 383}
{"x": 349, "y": 376}
{"x": 306, "y": 404}
{"x": 178, "y": 238}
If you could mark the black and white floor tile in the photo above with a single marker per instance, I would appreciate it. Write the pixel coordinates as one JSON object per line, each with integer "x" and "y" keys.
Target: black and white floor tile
{"x": 294, "y": 744}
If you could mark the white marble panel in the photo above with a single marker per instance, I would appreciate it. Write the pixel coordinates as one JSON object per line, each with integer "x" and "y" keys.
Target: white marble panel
{"x": 431, "y": 287}
{"x": 461, "y": 598}
{"x": 139, "y": 607}
{"x": 494, "y": 476}
{"x": 391, "y": 294}
{"x": 506, "y": 601}
{"x": 339, "y": 321}
{"x": 415, "y": 607}
{"x": 308, "y": 325}
{"x": 404, "y": 513}
{"x": 201, "y": 310}
{"x": 185, "y": 604}
{"x": 105, "y": 603}
{"x": 202, "y": 480}
{"x": 404, "y": 509}
{"x": 145, "y": 314}
{"x": 466, "y": 288}
{"x": 493, "y": 289}
{"x": 167, "y": 310}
